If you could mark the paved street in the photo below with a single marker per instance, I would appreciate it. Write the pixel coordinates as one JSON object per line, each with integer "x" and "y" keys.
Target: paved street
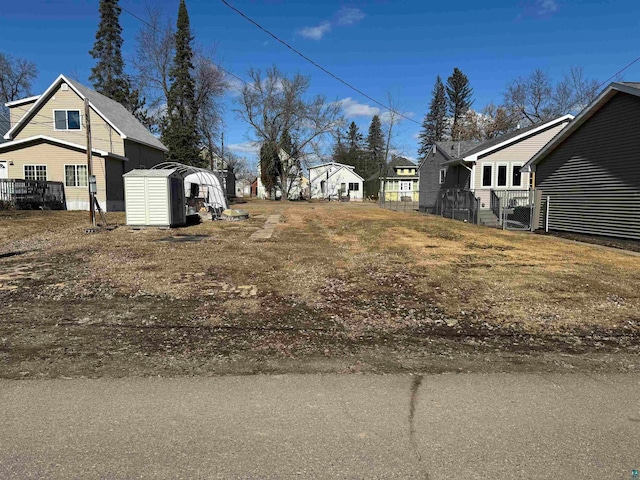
{"x": 500, "y": 426}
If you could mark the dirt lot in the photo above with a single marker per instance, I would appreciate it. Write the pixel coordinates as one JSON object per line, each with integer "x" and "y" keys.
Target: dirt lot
{"x": 338, "y": 287}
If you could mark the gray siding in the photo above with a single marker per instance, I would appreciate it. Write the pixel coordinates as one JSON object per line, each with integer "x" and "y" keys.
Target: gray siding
{"x": 593, "y": 177}
{"x": 429, "y": 184}
{"x": 141, "y": 156}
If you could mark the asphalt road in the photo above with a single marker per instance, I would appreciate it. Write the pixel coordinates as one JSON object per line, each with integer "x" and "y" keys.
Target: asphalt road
{"x": 466, "y": 426}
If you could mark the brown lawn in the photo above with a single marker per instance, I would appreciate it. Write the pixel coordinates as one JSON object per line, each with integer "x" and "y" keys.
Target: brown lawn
{"x": 334, "y": 278}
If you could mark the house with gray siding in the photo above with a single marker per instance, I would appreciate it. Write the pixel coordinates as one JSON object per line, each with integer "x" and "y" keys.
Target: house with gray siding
{"x": 590, "y": 172}
{"x": 433, "y": 173}
{"x": 491, "y": 167}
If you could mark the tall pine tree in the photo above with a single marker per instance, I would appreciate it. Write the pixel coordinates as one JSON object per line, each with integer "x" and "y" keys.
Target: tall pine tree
{"x": 180, "y": 128}
{"x": 375, "y": 148}
{"x": 434, "y": 125}
{"x": 459, "y": 94}
{"x": 107, "y": 75}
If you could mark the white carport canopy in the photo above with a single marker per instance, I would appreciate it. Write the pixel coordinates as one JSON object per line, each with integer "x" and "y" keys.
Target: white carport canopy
{"x": 210, "y": 185}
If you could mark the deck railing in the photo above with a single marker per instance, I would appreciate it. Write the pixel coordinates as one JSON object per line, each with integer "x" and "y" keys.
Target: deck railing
{"x": 31, "y": 194}
{"x": 458, "y": 203}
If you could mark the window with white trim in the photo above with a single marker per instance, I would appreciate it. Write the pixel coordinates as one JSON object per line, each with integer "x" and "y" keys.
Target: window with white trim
{"x": 66, "y": 119}
{"x": 443, "y": 175}
{"x": 516, "y": 176}
{"x": 35, "y": 172}
{"x": 354, "y": 187}
{"x": 487, "y": 173}
{"x": 75, "y": 175}
{"x": 501, "y": 178}
{"x": 406, "y": 186}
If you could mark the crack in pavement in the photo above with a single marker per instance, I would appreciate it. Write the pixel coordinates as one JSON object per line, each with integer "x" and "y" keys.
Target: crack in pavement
{"x": 413, "y": 399}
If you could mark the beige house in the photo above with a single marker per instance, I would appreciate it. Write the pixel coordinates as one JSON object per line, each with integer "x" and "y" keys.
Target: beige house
{"x": 47, "y": 140}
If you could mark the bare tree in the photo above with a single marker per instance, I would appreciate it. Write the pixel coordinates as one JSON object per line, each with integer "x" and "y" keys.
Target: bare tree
{"x": 535, "y": 98}
{"x": 155, "y": 52}
{"x": 392, "y": 118}
{"x": 16, "y": 75}
{"x": 278, "y": 107}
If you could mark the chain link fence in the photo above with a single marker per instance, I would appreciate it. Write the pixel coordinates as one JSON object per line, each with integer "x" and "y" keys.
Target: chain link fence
{"x": 399, "y": 200}
{"x": 514, "y": 208}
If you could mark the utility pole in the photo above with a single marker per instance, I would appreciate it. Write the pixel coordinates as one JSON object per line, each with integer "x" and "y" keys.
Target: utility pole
{"x": 87, "y": 126}
{"x": 222, "y": 151}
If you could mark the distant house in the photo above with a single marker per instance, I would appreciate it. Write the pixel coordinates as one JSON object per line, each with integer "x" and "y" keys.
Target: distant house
{"x": 334, "y": 181}
{"x": 591, "y": 172}
{"x": 432, "y": 172}
{"x": 47, "y": 141}
{"x": 491, "y": 166}
{"x": 296, "y": 185}
{"x": 401, "y": 181}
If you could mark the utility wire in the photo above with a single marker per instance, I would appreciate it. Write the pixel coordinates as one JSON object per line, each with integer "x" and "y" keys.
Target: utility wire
{"x": 317, "y": 65}
{"x": 617, "y": 73}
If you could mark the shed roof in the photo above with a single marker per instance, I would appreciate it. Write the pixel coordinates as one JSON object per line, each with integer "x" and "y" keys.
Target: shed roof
{"x": 150, "y": 173}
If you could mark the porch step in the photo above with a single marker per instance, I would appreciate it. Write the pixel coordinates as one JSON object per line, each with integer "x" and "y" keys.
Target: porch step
{"x": 486, "y": 217}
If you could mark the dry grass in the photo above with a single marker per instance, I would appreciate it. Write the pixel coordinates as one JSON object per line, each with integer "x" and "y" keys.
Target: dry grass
{"x": 464, "y": 270}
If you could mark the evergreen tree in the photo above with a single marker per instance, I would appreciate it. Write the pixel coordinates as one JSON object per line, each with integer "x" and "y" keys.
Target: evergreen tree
{"x": 459, "y": 94}
{"x": 340, "y": 153}
{"x": 355, "y": 155}
{"x": 107, "y": 75}
{"x": 435, "y": 122}
{"x": 270, "y": 167}
{"x": 375, "y": 148}
{"x": 180, "y": 129}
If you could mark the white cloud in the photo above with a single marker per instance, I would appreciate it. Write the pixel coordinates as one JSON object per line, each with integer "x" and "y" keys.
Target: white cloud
{"x": 344, "y": 17}
{"x": 315, "y": 33}
{"x": 246, "y": 147}
{"x": 546, "y": 7}
{"x": 351, "y": 108}
{"x": 348, "y": 16}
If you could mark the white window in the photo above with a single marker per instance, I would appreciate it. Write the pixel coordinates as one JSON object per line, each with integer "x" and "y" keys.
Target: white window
{"x": 66, "y": 119}
{"x": 75, "y": 175}
{"x": 443, "y": 175}
{"x": 406, "y": 186}
{"x": 354, "y": 187}
{"x": 516, "y": 175}
{"x": 502, "y": 175}
{"x": 487, "y": 174}
{"x": 35, "y": 172}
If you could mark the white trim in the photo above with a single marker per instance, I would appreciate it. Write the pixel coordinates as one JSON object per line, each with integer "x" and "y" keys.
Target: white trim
{"x": 46, "y": 170}
{"x": 333, "y": 163}
{"x": 102, "y": 153}
{"x": 581, "y": 118}
{"x": 506, "y": 174}
{"x": 544, "y": 126}
{"x": 402, "y": 183}
{"x": 441, "y": 177}
{"x": 67, "y": 110}
{"x": 15, "y": 103}
{"x": 487, "y": 164}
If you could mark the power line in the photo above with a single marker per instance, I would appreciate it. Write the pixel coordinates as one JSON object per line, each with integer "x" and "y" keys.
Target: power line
{"x": 344, "y": 82}
{"x": 617, "y": 73}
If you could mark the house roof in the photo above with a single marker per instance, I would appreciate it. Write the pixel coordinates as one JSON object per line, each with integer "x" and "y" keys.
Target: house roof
{"x": 399, "y": 162}
{"x": 631, "y": 88}
{"x": 332, "y": 163}
{"x": 111, "y": 111}
{"x": 515, "y": 136}
{"x": 21, "y": 101}
{"x": 340, "y": 165}
{"x": 453, "y": 150}
{"x": 4, "y": 127}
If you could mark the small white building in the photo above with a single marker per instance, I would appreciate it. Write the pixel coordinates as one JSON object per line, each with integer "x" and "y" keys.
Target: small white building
{"x": 335, "y": 180}
{"x": 154, "y": 198}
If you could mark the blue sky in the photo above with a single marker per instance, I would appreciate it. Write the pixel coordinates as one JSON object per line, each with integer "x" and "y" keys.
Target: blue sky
{"x": 379, "y": 46}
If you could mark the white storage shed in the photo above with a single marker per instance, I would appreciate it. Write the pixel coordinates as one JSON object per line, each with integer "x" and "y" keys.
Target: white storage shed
{"x": 154, "y": 198}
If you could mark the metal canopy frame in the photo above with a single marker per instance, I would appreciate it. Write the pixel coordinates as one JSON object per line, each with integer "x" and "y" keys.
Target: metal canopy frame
{"x": 203, "y": 176}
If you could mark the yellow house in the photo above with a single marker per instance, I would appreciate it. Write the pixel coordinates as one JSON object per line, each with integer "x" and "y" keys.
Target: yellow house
{"x": 401, "y": 181}
{"x": 47, "y": 140}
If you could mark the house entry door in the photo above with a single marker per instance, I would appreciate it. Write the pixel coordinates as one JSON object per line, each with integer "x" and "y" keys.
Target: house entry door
{"x": 4, "y": 169}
